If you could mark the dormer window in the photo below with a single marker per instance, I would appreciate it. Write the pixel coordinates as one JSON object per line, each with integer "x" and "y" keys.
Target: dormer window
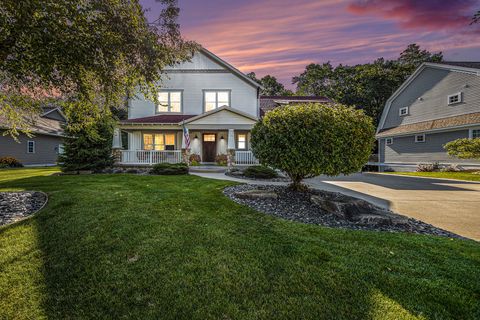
{"x": 214, "y": 99}
{"x": 455, "y": 98}
{"x": 389, "y": 141}
{"x": 403, "y": 111}
{"x": 169, "y": 101}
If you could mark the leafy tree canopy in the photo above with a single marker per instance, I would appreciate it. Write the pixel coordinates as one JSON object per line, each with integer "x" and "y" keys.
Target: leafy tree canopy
{"x": 307, "y": 140}
{"x": 82, "y": 53}
{"x": 366, "y": 86}
{"x": 271, "y": 86}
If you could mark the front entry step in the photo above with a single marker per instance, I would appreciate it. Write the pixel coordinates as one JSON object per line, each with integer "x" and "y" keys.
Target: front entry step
{"x": 213, "y": 169}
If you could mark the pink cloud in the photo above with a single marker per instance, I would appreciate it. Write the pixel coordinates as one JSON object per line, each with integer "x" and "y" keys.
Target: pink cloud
{"x": 414, "y": 14}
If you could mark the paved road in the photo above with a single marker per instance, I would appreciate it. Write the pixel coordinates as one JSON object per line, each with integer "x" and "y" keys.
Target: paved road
{"x": 448, "y": 204}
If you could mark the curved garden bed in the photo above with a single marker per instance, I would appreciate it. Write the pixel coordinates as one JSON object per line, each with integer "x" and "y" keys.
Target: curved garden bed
{"x": 15, "y": 206}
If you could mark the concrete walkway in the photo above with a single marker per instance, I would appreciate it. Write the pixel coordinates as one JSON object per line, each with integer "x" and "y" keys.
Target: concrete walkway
{"x": 448, "y": 204}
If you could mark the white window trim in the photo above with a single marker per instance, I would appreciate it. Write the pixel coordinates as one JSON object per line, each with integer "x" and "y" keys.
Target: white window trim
{"x": 460, "y": 98}
{"x": 470, "y": 132}
{"x": 216, "y": 98}
{"x": 28, "y": 146}
{"x": 169, "y": 107}
{"x": 403, "y": 114}
{"x": 158, "y": 144}
{"x": 420, "y": 135}
{"x": 387, "y": 143}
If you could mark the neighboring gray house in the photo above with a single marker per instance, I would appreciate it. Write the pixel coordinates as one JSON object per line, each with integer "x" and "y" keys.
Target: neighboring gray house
{"x": 45, "y": 144}
{"x": 438, "y": 103}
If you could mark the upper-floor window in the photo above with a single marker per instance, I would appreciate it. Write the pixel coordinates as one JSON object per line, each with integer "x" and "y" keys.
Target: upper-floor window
{"x": 420, "y": 138}
{"x": 214, "y": 99}
{"x": 30, "y": 146}
{"x": 403, "y": 111}
{"x": 455, "y": 98}
{"x": 474, "y": 133}
{"x": 169, "y": 101}
{"x": 389, "y": 141}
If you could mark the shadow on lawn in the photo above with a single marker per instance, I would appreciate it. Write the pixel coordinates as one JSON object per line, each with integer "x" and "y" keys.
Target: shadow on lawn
{"x": 175, "y": 247}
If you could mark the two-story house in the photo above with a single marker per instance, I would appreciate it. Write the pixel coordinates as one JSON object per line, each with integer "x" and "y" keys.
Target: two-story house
{"x": 217, "y": 103}
{"x": 438, "y": 103}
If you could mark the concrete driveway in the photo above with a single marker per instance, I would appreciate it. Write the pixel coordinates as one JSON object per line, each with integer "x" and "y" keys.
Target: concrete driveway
{"x": 448, "y": 204}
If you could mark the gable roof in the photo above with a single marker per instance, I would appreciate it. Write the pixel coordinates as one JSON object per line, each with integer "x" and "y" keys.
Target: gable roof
{"x": 40, "y": 125}
{"x": 451, "y": 66}
{"x": 228, "y": 66}
{"x": 50, "y": 110}
{"x": 236, "y": 111}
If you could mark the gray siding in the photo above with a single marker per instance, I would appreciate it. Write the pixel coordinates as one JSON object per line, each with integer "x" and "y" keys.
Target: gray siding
{"x": 433, "y": 86}
{"x": 45, "y": 149}
{"x": 405, "y": 150}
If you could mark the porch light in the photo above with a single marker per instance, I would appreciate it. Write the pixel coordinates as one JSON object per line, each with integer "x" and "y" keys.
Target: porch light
{"x": 221, "y": 137}
{"x": 196, "y": 136}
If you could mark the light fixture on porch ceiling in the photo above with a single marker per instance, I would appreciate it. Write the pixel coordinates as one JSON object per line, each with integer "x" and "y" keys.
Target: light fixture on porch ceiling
{"x": 196, "y": 136}
{"x": 221, "y": 137}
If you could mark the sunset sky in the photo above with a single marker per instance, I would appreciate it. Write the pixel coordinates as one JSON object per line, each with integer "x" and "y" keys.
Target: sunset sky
{"x": 280, "y": 37}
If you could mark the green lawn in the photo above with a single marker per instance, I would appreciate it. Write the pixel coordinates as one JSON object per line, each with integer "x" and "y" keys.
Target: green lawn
{"x": 469, "y": 176}
{"x": 173, "y": 247}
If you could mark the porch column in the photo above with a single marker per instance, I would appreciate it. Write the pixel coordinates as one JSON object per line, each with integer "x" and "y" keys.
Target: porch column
{"x": 185, "y": 147}
{"x": 231, "y": 148}
{"x": 117, "y": 145}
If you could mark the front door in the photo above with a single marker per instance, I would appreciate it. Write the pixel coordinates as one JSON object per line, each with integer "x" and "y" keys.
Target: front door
{"x": 209, "y": 147}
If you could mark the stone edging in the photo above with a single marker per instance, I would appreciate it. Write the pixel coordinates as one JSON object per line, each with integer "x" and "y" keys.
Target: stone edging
{"x": 31, "y": 215}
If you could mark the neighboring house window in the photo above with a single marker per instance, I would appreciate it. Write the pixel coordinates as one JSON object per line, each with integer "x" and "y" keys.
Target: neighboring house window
{"x": 158, "y": 141}
{"x": 215, "y": 99}
{"x": 403, "y": 111}
{"x": 60, "y": 149}
{"x": 474, "y": 133}
{"x": 169, "y": 101}
{"x": 242, "y": 141}
{"x": 389, "y": 141}
{"x": 419, "y": 138}
{"x": 455, "y": 98}
{"x": 30, "y": 146}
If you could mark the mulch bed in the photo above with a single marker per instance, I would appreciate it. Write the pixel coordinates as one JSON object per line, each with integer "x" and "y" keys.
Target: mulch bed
{"x": 280, "y": 201}
{"x": 15, "y": 206}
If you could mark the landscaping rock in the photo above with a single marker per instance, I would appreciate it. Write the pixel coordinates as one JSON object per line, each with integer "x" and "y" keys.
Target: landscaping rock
{"x": 257, "y": 194}
{"x": 17, "y": 205}
{"x": 328, "y": 209}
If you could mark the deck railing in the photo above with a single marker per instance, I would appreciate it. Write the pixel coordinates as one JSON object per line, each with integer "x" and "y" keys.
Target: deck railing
{"x": 149, "y": 157}
{"x": 245, "y": 158}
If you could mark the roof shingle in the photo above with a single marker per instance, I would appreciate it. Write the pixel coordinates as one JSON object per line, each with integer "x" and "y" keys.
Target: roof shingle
{"x": 162, "y": 118}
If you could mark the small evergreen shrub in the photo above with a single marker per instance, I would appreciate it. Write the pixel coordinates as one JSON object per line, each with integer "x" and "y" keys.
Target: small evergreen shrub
{"x": 260, "y": 172}
{"x": 170, "y": 169}
{"x": 194, "y": 159}
{"x": 10, "y": 162}
{"x": 221, "y": 159}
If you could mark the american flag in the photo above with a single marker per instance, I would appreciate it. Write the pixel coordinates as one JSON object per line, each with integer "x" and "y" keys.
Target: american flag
{"x": 186, "y": 137}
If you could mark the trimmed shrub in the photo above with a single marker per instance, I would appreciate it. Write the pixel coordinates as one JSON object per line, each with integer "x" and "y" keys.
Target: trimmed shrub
{"x": 464, "y": 148}
{"x": 194, "y": 159}
{"x": 428, "y": 167}
{"x": 308, "y": 140}
{"x": 170, "y": 169}
{"x": 221, "y": 159}
{"x": 10, "y": 162}
{"x": 260, "y": 172}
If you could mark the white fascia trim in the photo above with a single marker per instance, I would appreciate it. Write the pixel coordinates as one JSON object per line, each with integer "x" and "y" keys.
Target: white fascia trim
{"x": 206, "y": 114}
{"x": 58, "y": 110}
{"x": 412, "y": 77}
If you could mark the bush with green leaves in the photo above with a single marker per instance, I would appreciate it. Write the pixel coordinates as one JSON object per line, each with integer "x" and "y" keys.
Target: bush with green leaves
{"x": 464, "y": 148}
{"x": 312, "y": 139}
{"x": 221, "y": 159}
{"x": 170, "y": 169}
{"x": 10, "y": 162}
{"x": 260, "y": 172}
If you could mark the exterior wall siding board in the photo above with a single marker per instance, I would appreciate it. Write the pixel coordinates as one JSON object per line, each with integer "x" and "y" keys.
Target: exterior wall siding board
{"x": 405, "y": 150}
{"x": 433, "y": 86}
{"x": 46, "y": 149}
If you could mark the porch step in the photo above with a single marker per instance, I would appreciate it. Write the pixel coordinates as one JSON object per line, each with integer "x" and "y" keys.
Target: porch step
{"x": 216, "y": 169}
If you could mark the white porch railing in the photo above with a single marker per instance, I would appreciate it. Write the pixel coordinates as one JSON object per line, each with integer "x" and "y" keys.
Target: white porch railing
{"x": 245, "y": 158}
{"x": 149, "y": 157}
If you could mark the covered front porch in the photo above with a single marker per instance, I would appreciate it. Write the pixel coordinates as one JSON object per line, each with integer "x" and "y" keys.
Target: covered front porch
{"x": 211, "y": 136}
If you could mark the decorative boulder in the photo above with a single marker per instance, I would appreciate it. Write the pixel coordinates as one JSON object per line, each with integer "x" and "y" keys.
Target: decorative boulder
{"x": 257, "y": 194}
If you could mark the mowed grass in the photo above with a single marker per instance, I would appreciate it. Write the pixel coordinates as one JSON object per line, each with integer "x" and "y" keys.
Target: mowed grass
{"x": 173, "y": 247}
{"x": 462, "y": 175}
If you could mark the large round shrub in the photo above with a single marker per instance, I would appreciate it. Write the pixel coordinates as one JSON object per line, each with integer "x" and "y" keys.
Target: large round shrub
{"x": 311, "y": 139}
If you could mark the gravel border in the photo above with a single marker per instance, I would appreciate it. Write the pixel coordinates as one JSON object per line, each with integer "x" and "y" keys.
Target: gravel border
{"x": 297, "y": 206}
{"x": 16, "y": 206}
